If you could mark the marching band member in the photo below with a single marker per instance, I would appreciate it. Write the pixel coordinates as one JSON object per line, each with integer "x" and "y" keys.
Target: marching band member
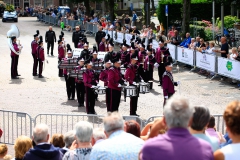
{"x": 111, "y": 54}
{"x": 85, "y": 54}
{"x": 149, "y": 65}
{"x": 34, "y": 46}
{"x": 107, "y": 43}
{"x": 80, "y": 44}
{"x": 41, "y": 57}
{"x": 104, "y": 77}
{"x": 64, "y": 43}
{"x": 153, "y": 50}
{"x": 70, "y": 81}
{"x": 94, "y": 49}
{"x": 102, "y": 45}
{"x": 80, "y": 88}
{"x": 61, "y": 55}
{"x": 90, "y": 84}
{"x": 133, "y": 77}
{"x": 125, "y": 56}
{"x": 141, "y": 57}
{"x": 114, "y": 84}
{"x": 168, "y": 82}
{"x": 14, "y": 64}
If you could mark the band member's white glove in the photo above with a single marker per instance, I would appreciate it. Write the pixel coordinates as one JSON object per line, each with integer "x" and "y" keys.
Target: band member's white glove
{"x": 98, "y": 85}
{"x": 178, "y": 82}
{"x": 166, "y": 97}
{"x": 119, "y": 85}
{"x": 142, "y": 80}
{"x": 156, "y": 65}
{"x": 125, "y": 83}
{"x": 93, "y": 86}
{"x": 147, "y": 62}
{"x": 134, "y": 83}
{"x": 122, "y": 66}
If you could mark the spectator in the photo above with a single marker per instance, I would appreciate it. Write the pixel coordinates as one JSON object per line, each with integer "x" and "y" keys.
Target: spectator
{"x": 68, "y": 139}
{"x": 21, "y": 146}
{"x": 186, "y": 41}
{"x": 99, "y": 35}
{"x": 125, "y": 30}
{"x": 176, "y": 39}
{"x": 200, "y": 121}
{"x": 127, "y": 21}
{"x": 198, "y": 41}
{"x": 151, "y": 35}
{"x": 228, "y": 140}
{"x": 233, "y": 56}
{"x": 95, "y": 18}
{"x": 57, "y": 140}
{"x": 177, "y": 143}
{"x": 134, "y": 19}
{"x": 117, "y": 27}
{"x": 133, "y": 128}
{"x": 143, "y": 28}
{"x": 145, "y": 33}
{"x": 202, "y": 46}
{"x": 210, "y": 131}
{"x": 224, "y": 48}
{"x": 238, "y": 49}
{"x": 75, "y": 16}
{"x": 82, "y": 145}
{"x": 119, "y": 145}
{"x": 53, "y": 15}
{"x": 134, "y": 31}
{"x": 207, "y": 46}
{"x": 211, "y": 48}
{"x": 192, "y": 44}
{"x": 162, "y": 37}
{"x": 43, "y": 150}
{"x": 232, "y": 120}
{"x": 98, "y": 136}
{"x": 171, "y": 33}
{"x": 3, "y": 150}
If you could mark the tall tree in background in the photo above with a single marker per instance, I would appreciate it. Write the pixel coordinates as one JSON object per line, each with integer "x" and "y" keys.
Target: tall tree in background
{"x": 111, "y": 9}
{"x": 185, "y": 16}
{"x": 147, "y": 11}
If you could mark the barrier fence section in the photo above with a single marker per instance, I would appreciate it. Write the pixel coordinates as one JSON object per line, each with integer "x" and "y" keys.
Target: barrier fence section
{"x": 14, "y": 124}
{"x": 219, "y": 122}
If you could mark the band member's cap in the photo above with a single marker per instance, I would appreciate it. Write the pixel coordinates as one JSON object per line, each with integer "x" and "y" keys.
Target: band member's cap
{"x": 168, "y": 64}
{"x": 69, "y": 51}
{"x": 150, "y": 44}
{"x": 116, "y": 60}
{"x": 160, "y": 42}
{"x": 110, "y": 45}
{"x": 141, "y": 46}
{"x": 59, "y": 41}
{"x": 82, "y": 59}
{"x": 149, "y": 50}
{"x": 85, "y": 45}
{"x": 108, "y": 61}
{"x": 36, "y": 35}
{"x": 89, "y": 62}
{"x": 132, "y": 48}
{"x": 124, "y": 46}
{"x": 95, "y": 52}
{"x": 134, "y": 57}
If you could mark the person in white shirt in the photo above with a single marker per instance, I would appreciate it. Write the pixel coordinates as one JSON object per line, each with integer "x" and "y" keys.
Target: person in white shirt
{"x": 192, "y": 44}
{"x": 98, "y": 136}
{"x": 233, "y": 56}
{"x": 232, "y": 120}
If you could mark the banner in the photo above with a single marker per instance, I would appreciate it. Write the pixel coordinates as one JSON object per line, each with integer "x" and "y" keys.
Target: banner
{"x": 110, "y": 33}
{"x": 101, "y": 55}
{"x": 229, "y": 68}
{"x": 120, "y": 37}
{"x": 205, "y": 61}
{"x": 185, "y": 55}
{"x": 77, "y": 52}
{"x": 172, "y": 50}
{"x": 128, "y": 38}
{"x": 114, "y": 36}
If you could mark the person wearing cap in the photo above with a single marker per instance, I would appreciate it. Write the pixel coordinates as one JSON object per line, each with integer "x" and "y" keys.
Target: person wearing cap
{"x": 141, "y": 57}
{"x": 75, "y": 36}
{"x": 61, "y": 37}
{"x": 85, "y": 54}
{"x": 14, "y": 56}
{"x": 125, "y": 56}
{"x": 149, "y": 47}
{"x": 70, "y": 81}
{"x": 80, "y": 44}
{"x": 90, "y": 83}
{"x": 97, "y": 62}
{"x": 132, "y": 76}
{"x": 34, "y": 46}
{"x": 149, "y": 65}
{"x": 40, "y": 56}
{"x": 162, "y": 54}
{"x": 114, "y": 84}
{"x": 104, "y": 77}
{"x": 102, "y": 45}
{"x": 80, "y": 88}
{"x": 50, "y": 38}
{"x": 168, "y": 82}
{"x": 99, "y": 35}
{"x": 61, "y": 55}
{"x": 111, "y": 54}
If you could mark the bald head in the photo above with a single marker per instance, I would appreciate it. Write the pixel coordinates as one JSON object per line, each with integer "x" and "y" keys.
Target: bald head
{"x": 187, "y": 35}
{"x": 40, "y": 133}
{"x": 223, "y": 40}
{"x": 50, "y": 28}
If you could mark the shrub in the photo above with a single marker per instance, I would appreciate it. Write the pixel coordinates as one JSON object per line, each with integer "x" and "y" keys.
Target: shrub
{"x": 198, "y": 29}
{"x": 208, "y": 34}
{"x": 228, "y": 21}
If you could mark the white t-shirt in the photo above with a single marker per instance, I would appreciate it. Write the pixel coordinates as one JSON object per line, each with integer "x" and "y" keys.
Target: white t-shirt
{"x": 233, "y": 56}
{"x": 231, "y": 151}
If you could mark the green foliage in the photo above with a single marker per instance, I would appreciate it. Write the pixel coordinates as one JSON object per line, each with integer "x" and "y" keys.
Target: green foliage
{"x": 208, "y": 34}
{"x": 198, "y": 29}
{"x": 10, "y": 7}
{"x": 228, "y": 21}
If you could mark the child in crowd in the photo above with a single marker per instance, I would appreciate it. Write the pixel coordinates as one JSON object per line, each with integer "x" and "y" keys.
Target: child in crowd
{"x": 62, "y": 25}
{"x": 3, "y": 152}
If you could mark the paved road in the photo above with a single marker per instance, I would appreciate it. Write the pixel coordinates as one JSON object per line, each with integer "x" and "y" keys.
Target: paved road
{"x": 32, "y": 95}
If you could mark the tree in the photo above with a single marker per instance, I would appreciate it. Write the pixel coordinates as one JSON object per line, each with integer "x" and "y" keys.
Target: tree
{"x": 147, "y": 11}
{"x": 185, "y": 16}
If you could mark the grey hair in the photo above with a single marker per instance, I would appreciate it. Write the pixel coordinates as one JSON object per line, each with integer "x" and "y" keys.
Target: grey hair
{"x": 84, "y": 131}
{"x": 193, "y": 39}
{"x": 68, "y": 138}
{"x": 40, "y": 133}
{"x": 113, "y": 121}
{"x": 178, "y": 112}
{"x": 234, "y": 49}
{"x": 98, "y": 133}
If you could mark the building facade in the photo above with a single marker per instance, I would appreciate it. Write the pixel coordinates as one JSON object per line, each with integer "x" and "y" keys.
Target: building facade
{"x": 27, "y": 3}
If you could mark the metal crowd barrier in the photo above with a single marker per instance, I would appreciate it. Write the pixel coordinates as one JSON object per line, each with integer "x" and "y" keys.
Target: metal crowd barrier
{"x": 219, "y": 122}
{"x": 14, "y": 124}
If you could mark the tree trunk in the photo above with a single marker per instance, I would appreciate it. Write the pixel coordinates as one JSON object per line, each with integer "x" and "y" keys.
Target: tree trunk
{"x": 87, "y": 5}
{"x": 153, "y": 7}
{"x": 111, "y": 10}
{"x": 106, "y": 6}
{"x": 185, "y": 16}
{"x": 147, "y": 12}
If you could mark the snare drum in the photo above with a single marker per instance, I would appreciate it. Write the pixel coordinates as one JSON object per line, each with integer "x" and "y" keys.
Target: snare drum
{"x": 123, "y": 70}
{"x": 101, "y": 90}
{"x": 143, "y": 87}
{"x": 131, "y": 91}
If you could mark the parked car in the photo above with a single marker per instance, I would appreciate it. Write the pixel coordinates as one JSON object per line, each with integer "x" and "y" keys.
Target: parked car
{"x": 10, "y": 16}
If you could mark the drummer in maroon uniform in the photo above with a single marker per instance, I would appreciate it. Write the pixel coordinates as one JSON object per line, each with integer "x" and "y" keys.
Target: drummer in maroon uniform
{"x": 114, "y": 84}
{"x": 80, "y": 43}
{"x": 34, "y": 46}
{"x": 141, "y": 57}
{"x": 102, "y": 45}
{"x": 168, "y": 82}
{"x": 104, "y": 77}
{"x": 40, "y": 56}
{"x": 149, "y": 65}
{"x": 61, "y": 55}
{"x": 133, "y": 78}
{"x": 80, "y": 88}
{"x": 125, "y": 57}
{"x": 90, "y": 85}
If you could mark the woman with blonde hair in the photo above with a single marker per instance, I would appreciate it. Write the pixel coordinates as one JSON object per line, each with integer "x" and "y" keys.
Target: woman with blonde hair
{"x": 21, "y": 146}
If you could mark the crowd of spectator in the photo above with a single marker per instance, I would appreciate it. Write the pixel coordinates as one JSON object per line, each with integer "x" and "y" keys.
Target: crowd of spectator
{"x": 185, "y": 132}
